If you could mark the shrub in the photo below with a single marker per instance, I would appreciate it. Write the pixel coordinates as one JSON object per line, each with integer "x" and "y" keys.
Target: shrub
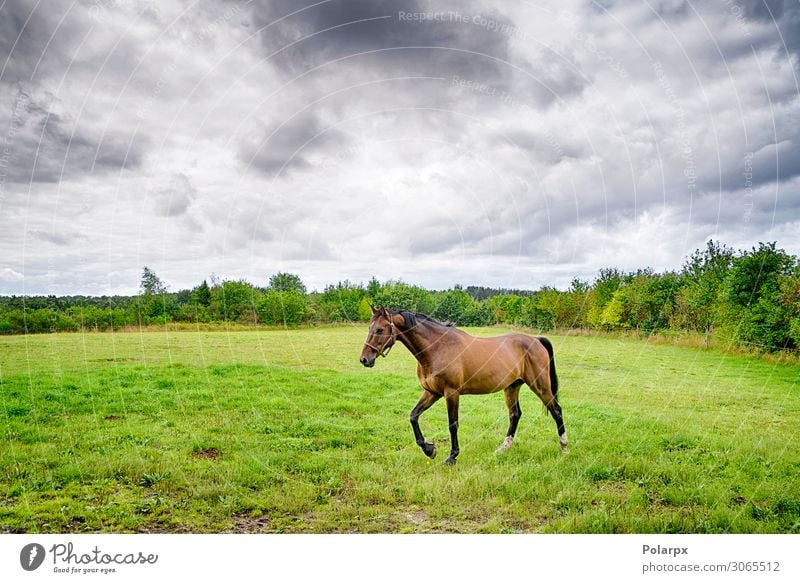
{"x": 282, "y": 307}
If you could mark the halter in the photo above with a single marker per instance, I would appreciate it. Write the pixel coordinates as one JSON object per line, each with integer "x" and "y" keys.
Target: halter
{"x": 389, "y": 343}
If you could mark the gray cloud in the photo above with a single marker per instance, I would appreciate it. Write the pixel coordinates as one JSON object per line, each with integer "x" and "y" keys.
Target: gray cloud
{"x": 175, "y": 199}
{"x": 388, "y": 30}
{"x": 755, "y": 24}
{"x": 55, "y": 237}
{"x": 287, "y": 145}
{"x": 49, "y": 132}
{"x": 509, "y": 144}
{"x": 767, "y": 164}
{"x": 764, "y": 10}
{"x": 25, "y": 30}
{"x": 47, "y": 145}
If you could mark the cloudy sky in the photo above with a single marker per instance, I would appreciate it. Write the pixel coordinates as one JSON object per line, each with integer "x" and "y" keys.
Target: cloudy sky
{"x": 513, "y": 144}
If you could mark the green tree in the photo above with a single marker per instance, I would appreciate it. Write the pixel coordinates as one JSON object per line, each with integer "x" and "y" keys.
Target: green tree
{"x": 373, "y": 288}
{"x": 574, "y": 305}
{"x": 401, "y": 296}
{"x": 756, "y": 273}
{"x": 234, "y": 301}
{"x": 341, "y": 302}
{"x": 284, "y": 282}
{"x": 789, "y": 298}
{"x": 648, "y": 300}
{"x": 697, "y": 302}
{"x": 505, "y": 308}
{"x": 531, "y": 313}
{"x": 283, "y": 307}
{"x": 752, "y": 310}
{"x": 457, "y": 306}
{"x": 202, "y": 294}
{"x": 364, "y": 310}
{"x": 546, "y": 308}
{"x": 193, "y": 312}
{"x": 155, "y": 306}
{"x": 150, "y": 283}
{"x": 578, "y": 285}
{"x": 607, "y": 282}
{"x": 614, "y": 311}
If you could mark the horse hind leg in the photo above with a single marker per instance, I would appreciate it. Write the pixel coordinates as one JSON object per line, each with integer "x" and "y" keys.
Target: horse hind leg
{"x": 514, "y": 414}
{"x": 541, "y": 386}
{"x": 555, "y": 411}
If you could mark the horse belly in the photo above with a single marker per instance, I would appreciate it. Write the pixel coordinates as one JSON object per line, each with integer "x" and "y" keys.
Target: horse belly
{"x": 493, "y": 374}
{"x": 482, "y": 388}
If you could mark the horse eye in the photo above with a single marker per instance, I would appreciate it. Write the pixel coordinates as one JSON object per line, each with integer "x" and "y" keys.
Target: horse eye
{"x": 379, "y": 330}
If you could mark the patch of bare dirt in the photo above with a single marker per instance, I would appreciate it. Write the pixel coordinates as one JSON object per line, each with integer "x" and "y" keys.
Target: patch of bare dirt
{"x": 244, "y": 524}
{"x": 416, "y": 517}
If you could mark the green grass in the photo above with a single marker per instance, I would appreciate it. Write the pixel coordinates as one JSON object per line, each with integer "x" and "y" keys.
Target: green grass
{"x": 283, "y": 431}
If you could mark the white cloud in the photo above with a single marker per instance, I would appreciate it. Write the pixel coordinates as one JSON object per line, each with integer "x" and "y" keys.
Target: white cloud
{"x": 8, "y": 274}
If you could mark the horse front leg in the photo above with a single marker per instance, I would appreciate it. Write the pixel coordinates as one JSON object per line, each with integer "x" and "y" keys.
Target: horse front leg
{"x": 425, "y": 401}
{"x": 452, "y": 418}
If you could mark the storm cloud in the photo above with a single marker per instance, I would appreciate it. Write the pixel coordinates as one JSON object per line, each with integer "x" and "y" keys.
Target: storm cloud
{"x": 494, "y": 143}
{"x": 386, "y": 34}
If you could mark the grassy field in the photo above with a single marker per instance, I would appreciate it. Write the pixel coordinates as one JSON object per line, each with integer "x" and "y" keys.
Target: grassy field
{"x": 283, "y": 431}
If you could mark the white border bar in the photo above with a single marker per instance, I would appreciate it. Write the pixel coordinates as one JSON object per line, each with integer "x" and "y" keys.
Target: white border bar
{"x": 411, "y": 558}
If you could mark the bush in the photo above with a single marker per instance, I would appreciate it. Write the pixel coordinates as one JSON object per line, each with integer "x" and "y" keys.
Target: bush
{"x": 401, "y": 296}
{"x": 101, "y": 319}
{"x": 341, "y": 303}
{"x": 607, "y": 283}
{"x": 505, "y": 309}
{"x": 613, "y": 315}
{"x": 752, "y": 311}
{"x": 364, "y": 310}
{"x": 234, "y": 301}
{"x": 193, "y": 312}
{"x": 697, "y": 301}
{"x": 458, "y": 307}
{"x": 282, "y": 307}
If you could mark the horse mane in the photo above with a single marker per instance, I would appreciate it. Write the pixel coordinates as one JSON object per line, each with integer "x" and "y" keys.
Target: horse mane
{"x": 434, "y": 321}
{"x": 412, "y": 317}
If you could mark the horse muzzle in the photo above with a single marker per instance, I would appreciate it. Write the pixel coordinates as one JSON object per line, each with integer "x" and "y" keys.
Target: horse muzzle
{"x": 367, "y": 362}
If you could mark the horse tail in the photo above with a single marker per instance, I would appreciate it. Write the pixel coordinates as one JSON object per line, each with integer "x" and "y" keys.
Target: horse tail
{"x": 553, "y": 376}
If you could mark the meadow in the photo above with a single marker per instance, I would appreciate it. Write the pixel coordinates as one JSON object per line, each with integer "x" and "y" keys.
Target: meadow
{"x": 284, "y": 431}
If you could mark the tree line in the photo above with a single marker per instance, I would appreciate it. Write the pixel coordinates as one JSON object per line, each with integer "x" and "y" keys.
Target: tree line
{"x": 749, "y": 297}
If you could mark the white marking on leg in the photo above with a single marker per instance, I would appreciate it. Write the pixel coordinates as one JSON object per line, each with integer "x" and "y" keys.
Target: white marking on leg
{"x": 505, "y": 445}
{"x": 563, "y": 440}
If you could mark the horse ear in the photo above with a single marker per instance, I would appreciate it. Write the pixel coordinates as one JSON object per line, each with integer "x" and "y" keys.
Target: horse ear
{"x": 382, "y": 310}
{"x": 374, "y": 310}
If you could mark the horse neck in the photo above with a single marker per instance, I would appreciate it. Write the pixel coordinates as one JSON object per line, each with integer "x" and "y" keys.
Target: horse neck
{"x": 419, "y": 339}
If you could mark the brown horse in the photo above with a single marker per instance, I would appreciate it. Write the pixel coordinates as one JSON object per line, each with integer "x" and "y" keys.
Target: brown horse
{"x": 452, "y": 363}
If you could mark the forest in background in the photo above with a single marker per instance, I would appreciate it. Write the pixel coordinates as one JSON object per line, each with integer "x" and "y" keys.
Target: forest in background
{"x": 748, "y": 298}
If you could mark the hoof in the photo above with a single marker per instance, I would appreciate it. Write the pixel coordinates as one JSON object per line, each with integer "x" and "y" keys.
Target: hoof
{"x": 429, "y": 449}
{"x": 564, "y": 449}
{"x": 504, "y": 446}
{"x": 451, "y": 461}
